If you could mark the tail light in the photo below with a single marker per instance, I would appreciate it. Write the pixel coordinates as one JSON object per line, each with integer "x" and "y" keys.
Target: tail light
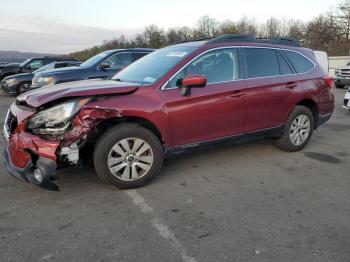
{"x": 328, "y": 81}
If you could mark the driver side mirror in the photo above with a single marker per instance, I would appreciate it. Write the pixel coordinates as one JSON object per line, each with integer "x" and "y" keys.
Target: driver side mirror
{"x": 191, "y": 81}
{"x": 104, "y": 65}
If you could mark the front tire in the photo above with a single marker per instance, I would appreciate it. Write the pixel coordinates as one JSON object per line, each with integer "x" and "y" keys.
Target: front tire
{"x": 22, "y": 88}
{"x": 298, "y": 130}
{"x": 128, "y": 156}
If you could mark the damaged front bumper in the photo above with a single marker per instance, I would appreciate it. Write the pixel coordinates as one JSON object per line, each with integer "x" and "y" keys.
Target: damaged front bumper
{"x": 42, "y": 173}
{"x": 35, "y": 157}
{"x": 27, "y": 157}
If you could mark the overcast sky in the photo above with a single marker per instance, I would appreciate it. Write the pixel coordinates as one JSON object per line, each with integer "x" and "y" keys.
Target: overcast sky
{"x": 69, "y": 25}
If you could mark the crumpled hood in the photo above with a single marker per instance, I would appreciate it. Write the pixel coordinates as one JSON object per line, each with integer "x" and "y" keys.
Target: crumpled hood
{"x": 49, "y": 93}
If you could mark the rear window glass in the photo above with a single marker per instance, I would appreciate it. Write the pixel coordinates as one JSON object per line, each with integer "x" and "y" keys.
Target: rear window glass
{"x": 261, "y": 62}
{"x": 299, "y": 62}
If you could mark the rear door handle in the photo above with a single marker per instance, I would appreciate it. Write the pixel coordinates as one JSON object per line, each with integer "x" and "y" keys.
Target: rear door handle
{"x": 291, "y": 85}
{"x": 237, "y": 94}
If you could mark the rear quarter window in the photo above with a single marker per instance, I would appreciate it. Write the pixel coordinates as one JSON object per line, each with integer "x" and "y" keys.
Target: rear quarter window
{"x": 300, "y": 63}
{"x": 261, "y": 62}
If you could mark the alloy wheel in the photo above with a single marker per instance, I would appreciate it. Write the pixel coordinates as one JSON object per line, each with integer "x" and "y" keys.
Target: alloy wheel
{"x": 130, "y": 159}
{"x": 299, "y": 130}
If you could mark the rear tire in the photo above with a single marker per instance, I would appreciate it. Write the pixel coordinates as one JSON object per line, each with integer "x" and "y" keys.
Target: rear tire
{"x": 128, "y": 156}
{"x": 298, "y": 130}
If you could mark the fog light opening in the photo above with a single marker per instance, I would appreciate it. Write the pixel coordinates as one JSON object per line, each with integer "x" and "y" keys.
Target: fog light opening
{"x": 38, "y": 175}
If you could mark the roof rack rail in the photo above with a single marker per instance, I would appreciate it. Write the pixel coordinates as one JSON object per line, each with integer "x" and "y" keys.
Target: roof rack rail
{"x": 289, "y": 41}
{"x": 193, "y": 40}
{"x": 285, "y": 41}
{"x": 232, "y": 38}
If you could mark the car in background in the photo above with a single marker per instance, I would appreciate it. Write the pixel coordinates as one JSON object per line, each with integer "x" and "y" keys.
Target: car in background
{"x": 30, "y": 65}
{"x": 342, "y": 76}
{"x": 229, "y": 88}
{"x": 346, "y": 103}
{"x": 20, "y": 83}
{"x": 103, "y": 65}
{"x": 3, "y": 63}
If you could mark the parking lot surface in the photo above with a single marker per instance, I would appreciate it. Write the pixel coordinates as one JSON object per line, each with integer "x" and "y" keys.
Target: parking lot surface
{"x": 249, "y": 202}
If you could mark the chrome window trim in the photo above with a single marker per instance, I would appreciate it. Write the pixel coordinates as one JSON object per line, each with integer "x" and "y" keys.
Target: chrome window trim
{"x": 230, "y": 47}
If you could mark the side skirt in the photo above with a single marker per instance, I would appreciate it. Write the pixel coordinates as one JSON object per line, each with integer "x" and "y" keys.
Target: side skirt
{"x": 235, "y": 139}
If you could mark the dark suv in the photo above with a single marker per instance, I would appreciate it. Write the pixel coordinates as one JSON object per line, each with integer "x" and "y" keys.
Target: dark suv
{"x": 103, "y": 65}
{"x": 20, "y": 83}
{"x": 229, "y": 88}
{"x": 29, "y": 65}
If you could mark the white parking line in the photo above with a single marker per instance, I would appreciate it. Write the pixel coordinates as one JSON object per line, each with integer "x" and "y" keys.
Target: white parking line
{"x": 160, "y": 226}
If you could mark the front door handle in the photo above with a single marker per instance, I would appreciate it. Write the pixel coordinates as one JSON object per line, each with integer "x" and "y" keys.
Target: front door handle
{"x": 291, "y": 85}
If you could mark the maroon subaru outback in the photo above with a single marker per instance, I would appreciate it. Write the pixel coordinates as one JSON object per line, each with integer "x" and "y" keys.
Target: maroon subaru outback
{"x": 231, "y": 87}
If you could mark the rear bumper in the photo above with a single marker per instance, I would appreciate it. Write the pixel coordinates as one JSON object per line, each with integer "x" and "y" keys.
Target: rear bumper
{"x": 324, "y": 118}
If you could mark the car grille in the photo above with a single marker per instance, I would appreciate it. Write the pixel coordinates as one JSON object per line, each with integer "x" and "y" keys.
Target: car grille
{"x": 345, "y": 72}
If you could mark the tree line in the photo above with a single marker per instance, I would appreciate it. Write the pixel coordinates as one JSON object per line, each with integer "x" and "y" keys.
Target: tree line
{"x": 328, "y": 32}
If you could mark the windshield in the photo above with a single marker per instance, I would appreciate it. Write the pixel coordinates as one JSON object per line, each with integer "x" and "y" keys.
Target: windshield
{"x": 24, "y": 62}
{"x": 95, "y": 59}
{"x": 152, "y": 67}
{"x": 47, "y": 67}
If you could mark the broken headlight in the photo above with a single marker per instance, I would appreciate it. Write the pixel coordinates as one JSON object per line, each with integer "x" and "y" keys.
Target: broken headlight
{"x": 57, "y": 116}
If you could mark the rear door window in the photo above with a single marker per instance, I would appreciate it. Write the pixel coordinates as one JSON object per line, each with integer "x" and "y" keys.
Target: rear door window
{"x": 284, "y": 67}
{"x": 261, "y": 62}
{"x": 300, "y": 63}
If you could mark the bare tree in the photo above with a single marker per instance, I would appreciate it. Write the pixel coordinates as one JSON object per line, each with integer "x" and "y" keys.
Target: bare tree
{"x": 272, "y": 27}
{"x": 185, "y": 32}
{"x": 207, "y": 27}
{"x": 328, "y": 32}
{"x": 140, "y": 41}
{"x": 246, "y": 26}
{"x": 228, "y": 27}
{"x": 341, "y": 17}
{"x": 154, "y": 36}
{"x": 174, "y": 36}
